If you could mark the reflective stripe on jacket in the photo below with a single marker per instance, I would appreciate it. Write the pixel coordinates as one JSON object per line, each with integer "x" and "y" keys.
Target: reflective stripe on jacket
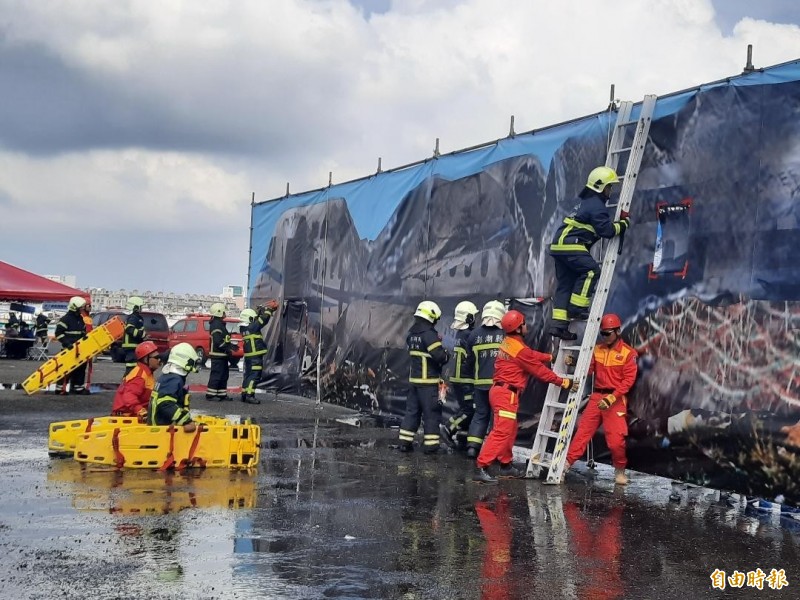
{"x": 482, "y": 348}
{"x": 134, "y": 331}
{"x": 589, "y": 222}
{"x": 426, "y": 352}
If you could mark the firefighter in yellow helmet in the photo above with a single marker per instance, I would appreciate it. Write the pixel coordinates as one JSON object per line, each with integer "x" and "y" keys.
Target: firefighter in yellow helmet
{"x": 427, "y": 357}
{"x": 169, "y": 402}
{"x": 252, "y": 322}
{"x": 69, "y": 330}
{"x": 576, "y": 270}
{"x": 220, "y": 347}
{"x": 134, "y": 331}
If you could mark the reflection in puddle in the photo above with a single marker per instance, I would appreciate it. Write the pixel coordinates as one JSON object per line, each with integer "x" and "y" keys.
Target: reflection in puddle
{"x": 150, "y": 492}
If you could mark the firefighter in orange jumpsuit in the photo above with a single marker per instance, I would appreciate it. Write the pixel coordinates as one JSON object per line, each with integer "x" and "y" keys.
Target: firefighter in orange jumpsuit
{"x": 134, "y": 392}
{"x": 614, "y": 368}
{"x": 514, "y": 365}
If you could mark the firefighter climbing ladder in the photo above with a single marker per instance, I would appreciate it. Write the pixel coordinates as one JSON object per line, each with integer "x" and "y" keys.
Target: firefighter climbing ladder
{"x": 550, "y": 445}
{"x": 69, "y": 359}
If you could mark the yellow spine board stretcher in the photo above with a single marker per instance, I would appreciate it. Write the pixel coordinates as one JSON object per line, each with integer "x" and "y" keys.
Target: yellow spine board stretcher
{"x": 64, "y": 435}
{"x": 69, "y": 359}
{"x": 162, "y": 448}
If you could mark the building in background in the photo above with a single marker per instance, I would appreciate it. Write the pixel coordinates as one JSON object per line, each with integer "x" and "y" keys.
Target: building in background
{"x": 170, "y": 304}
{"x": 69, "y": 280}
{"x": 234, "y": 292}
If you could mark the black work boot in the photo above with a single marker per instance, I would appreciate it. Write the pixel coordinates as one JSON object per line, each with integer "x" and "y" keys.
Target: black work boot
{"x": 251, "y": 400}
{"x": 405, "y": 447}
{"x": 563, "y": 333}
{"x": 483, "y": 476}
{"x": 472, "y": 452}
{"x": 509, "y": 471}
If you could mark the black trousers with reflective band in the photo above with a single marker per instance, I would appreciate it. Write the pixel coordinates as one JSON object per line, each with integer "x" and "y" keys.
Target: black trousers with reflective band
{"x": 480, "y": 420}
{"x": 422, "y": 404}
{"x": 218, "y": 377}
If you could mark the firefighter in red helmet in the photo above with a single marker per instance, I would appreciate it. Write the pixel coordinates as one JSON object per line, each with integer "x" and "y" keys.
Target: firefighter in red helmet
{"x": 514, "y": 365}
{"x": 614, "y": 368}
{"x": 134, "y": 392}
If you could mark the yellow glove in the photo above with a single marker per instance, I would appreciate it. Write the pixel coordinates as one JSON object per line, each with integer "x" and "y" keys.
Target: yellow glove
{"x": 606, "y": 401}
{"x": 569, "y": 360}
{"x": 569, "y": 384}
{"x": 142, "y": 415}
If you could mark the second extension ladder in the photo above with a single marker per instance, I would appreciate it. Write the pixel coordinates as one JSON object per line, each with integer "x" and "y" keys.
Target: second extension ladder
{"x": 558, "y": 417}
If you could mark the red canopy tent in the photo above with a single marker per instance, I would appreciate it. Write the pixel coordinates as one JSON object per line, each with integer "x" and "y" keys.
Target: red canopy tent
{"x": 21, "y": 285}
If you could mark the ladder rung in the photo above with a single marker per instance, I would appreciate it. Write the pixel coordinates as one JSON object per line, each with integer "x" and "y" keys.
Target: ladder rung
{"x": 621, "y": 150}
{"x": 570, "y": 348}
{"x": 550, "y": 434}
{"x": 556, "y": 404}
{"x": 626, "y": 123}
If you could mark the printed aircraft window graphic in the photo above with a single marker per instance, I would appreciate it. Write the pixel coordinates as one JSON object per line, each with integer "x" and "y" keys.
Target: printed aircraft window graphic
{"x": 672, "y": 239}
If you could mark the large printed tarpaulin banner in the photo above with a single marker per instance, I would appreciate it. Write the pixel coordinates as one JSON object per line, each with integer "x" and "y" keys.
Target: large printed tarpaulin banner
{"x": 707, "y": 285}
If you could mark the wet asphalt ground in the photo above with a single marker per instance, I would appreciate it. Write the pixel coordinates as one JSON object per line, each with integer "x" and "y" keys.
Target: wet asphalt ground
{"x": 333, "y": 511}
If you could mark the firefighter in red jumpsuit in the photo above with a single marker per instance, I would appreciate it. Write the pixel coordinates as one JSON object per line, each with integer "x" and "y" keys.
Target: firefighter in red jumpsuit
{"x": 614, "y": 368}
{"x": 133, "y": 394}
{"x": 514, "y": 365}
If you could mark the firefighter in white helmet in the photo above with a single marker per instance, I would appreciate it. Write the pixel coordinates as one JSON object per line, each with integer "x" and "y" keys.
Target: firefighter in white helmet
{"x": 220, "y": 348}
{"x": 69, "y": 331}
{"x": 134, "y": 331}
{"x": 455, "y": 430}
{"x": 482, "y": 346}
{"x": 427, "y": 357}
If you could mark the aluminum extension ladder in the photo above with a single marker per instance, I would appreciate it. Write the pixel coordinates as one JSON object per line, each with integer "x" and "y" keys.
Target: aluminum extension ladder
{"x": 558, "y": 417}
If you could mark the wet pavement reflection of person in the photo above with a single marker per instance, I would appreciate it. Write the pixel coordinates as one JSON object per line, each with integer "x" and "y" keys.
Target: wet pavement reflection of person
{"x": 498, "y": 581}
{"x": 596, "y": 541}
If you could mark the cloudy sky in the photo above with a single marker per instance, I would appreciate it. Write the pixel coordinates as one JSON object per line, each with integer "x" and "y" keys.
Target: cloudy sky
{"x": 133, "y": 132}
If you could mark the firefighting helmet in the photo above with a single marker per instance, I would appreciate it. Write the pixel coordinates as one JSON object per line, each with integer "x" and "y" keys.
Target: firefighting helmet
{"x": 247, "y": 316}
{"x": 134, "y": 303}
{"x": 184, "y": 357}
{"x": 512, "y": 320}
{"x": 465, "y": 311}
{"x": 600, "y": 177}
{"x": 76, "y": 303}
{"x": 610, "y": 321}
{"x": 145, "y": 349}
{"x": 493, "y": 309}
{"x": 429, "y": 311}
{"x": 217, "y": 309}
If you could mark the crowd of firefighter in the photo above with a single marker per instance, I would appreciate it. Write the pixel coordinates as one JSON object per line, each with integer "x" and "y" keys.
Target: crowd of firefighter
{"x": 491, "y": 362}
{"x": 166, "y": 402}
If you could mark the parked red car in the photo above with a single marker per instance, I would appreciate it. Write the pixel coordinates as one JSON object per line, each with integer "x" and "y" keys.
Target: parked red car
{"x": 195, "y": 330}
{"x": 155, "y": 325}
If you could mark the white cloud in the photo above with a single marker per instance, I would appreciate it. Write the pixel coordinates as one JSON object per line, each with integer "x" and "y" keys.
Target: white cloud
{"x": 195, "y": 104}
